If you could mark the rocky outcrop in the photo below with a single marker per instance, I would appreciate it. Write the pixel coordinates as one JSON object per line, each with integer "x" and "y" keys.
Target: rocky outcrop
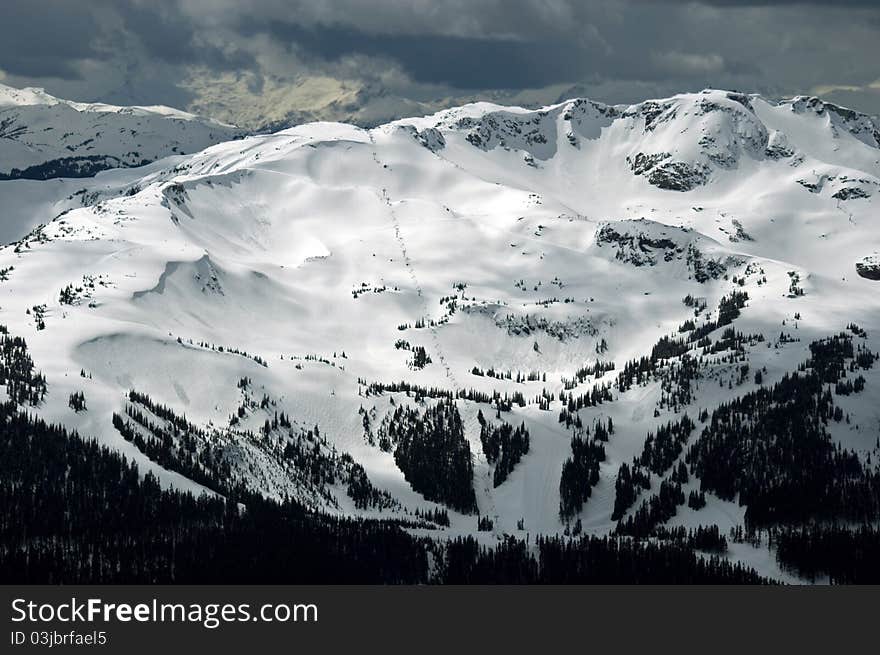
{"x": 869, "y": 267}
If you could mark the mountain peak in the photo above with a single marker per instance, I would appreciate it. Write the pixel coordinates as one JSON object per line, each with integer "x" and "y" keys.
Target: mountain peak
{"x": 11, "y": 96}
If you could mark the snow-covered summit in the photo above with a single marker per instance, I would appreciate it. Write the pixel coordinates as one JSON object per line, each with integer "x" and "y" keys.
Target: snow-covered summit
{"x": 676, "y": 144}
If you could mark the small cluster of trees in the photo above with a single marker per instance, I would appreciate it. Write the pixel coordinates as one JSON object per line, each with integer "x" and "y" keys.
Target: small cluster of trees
{"x": 654, "y": 511}
{"x": 580, "y": 473}
{"x": 503, "y": 446}
{"x": 437, "y": 516}
{"x": 364, "y": 494}
{"x": 662, "y": 448}
{"x": 431, "y": 450}
{"x": 702, "y": 538}
{"x": 596, "y": 370}
{"x": 77, "y": 402}
{"x": 24, "y": 385}
{"x": 519, "y": 378}
{"x": 630, "y": 482}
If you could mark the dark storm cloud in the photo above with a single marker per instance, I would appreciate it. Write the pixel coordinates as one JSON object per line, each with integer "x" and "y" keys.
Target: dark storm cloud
{"x": 41, "y": 39}
{"x": 872, "y": 4}
{"x": 48, "y": 38}
{"x": 148, "y": 50}
{"x": 462, "y": 62}
{"x": 171, "y": 36}
{"x": 512, "y": 52}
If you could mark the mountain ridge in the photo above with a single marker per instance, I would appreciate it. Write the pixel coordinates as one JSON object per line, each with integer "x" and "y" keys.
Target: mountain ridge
{"x": 95, "y": 137}
{"x": 326, "y": 312}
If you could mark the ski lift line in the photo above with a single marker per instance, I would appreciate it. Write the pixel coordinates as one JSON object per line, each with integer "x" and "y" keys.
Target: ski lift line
{"x": 407, "y": 262}
{"x": 441, "y": 356}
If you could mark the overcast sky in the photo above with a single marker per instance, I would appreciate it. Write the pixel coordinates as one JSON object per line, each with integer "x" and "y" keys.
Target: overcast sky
{"x": 208, "y": 53}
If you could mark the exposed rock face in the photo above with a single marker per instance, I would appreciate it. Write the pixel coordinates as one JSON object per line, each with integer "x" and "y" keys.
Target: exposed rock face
{"x": 849, "y": 193}
{"x": 432, "y": 139}
{"x": 637, "y": 247}
{"x": 678, "y": 176}
{"x": 778, "y": 146}
{"x": 869, "y": 267}
{"x": 841, "y": 187}
{"x": 535, "y": 133}
{"x": 668, "y": 175}
{"x": 646, "y": 243}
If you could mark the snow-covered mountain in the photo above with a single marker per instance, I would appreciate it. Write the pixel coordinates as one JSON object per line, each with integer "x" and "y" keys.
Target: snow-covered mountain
{"x": 488, "y": 311}
{"x": 44, "y": 137}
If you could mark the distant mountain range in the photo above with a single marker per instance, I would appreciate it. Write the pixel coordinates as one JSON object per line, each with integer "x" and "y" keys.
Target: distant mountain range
{"x": 44, "y": 137}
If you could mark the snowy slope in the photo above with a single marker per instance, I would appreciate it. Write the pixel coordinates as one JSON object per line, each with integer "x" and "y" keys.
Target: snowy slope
{"x": 280, "y": 273}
